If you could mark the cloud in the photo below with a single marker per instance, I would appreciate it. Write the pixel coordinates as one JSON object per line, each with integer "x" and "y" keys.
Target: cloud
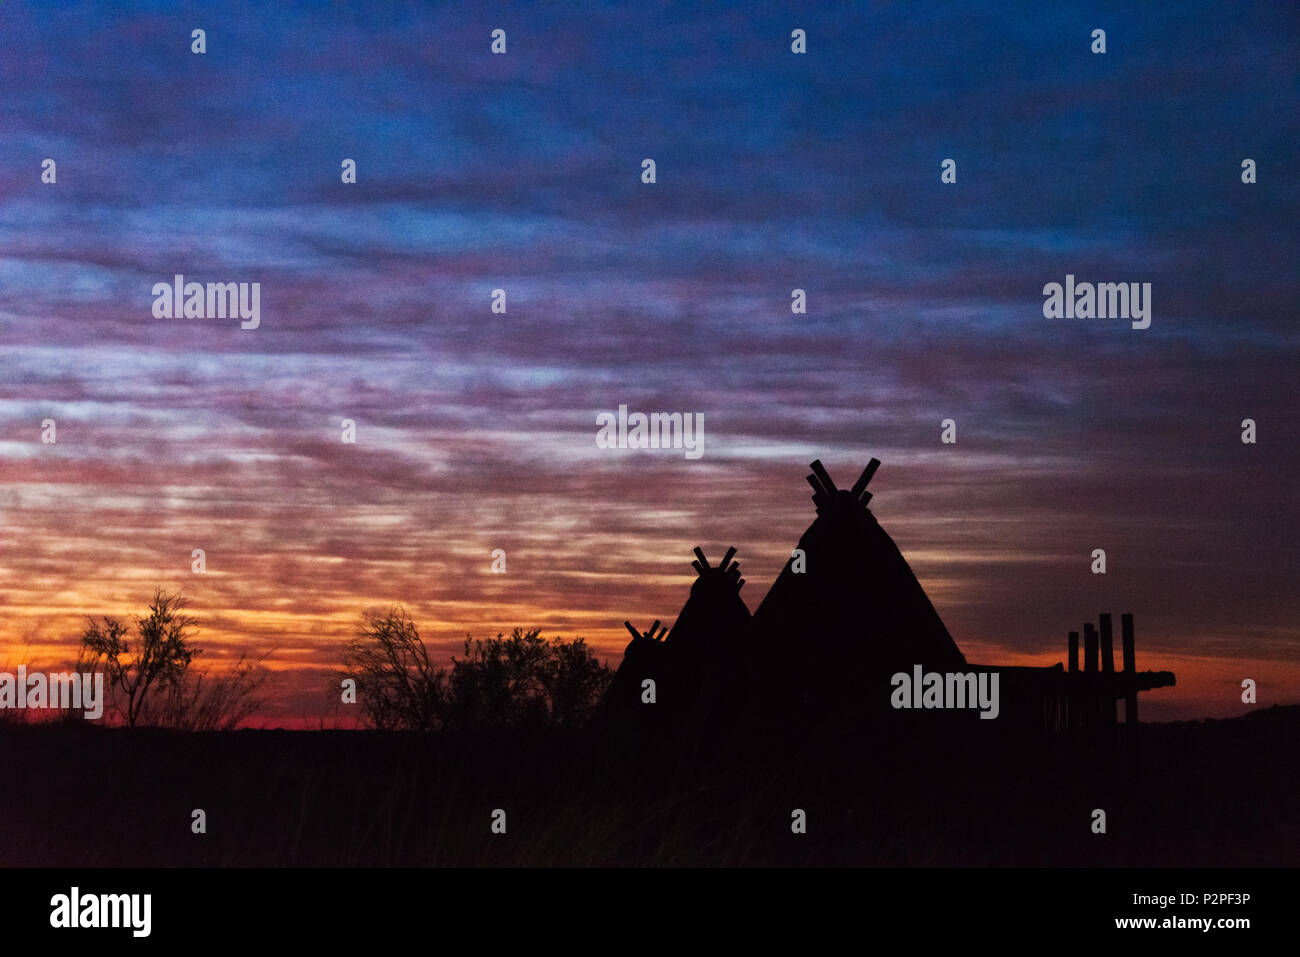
{"x": 476, "y": 430}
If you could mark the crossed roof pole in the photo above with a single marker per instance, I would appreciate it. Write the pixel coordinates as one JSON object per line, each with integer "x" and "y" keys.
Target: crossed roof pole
{"x": 826, "y": 495}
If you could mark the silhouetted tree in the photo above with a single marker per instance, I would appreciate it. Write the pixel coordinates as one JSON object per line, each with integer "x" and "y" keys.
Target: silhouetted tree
{"x": 156, "y": 662}
{"x": 397, "y": 686}
{"x": 157, "y": 659}
{"x": 150, "y": 681}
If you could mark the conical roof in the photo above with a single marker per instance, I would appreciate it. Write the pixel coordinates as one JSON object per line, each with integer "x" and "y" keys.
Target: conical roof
{"x": 645, "y": 657}
{"x": 708, "y": 625}
{"x": 699, "y": 667}
{"x": 835, "y": 626}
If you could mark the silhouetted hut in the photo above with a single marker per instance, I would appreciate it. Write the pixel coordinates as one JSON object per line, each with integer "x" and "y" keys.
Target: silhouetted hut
{"x": 644, "y": 659}
{"x": 707, "y": 646}
{"x": 846, "y": 612}
{"x": 697, "y": 668}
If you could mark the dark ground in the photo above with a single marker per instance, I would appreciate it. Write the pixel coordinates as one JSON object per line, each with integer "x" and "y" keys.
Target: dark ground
{"x": 1210, "y": 793}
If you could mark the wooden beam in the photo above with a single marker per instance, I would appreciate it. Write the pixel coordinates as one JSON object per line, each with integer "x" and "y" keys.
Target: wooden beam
{"x": 860, "y": 485}
{"x": 823, "y": 476}
{"x": 1117, "y": 684}
{"x": 821, "y": 498}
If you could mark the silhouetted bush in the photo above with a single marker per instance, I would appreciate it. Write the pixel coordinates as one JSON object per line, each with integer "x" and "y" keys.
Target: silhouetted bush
{"x": 524, "y": 680}
{"x": 519, "y": 681}
{"x": 206, "y": 701}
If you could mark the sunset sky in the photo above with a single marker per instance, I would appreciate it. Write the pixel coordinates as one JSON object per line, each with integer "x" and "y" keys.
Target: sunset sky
{"x": 775, "y": 171}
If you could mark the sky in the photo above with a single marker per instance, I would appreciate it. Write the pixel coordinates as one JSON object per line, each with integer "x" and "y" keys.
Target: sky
{"x": 476, "y": 430}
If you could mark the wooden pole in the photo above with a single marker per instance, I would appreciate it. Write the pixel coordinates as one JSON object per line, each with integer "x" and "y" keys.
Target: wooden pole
{"x": 860, "y": 485}
{"x": 823, "y": 476}
{"x": 1130, "y": 668}
{"x": 1108, "y": 669}
{"x": 1072, "y": 709}
{"x": 1091, "y": 710}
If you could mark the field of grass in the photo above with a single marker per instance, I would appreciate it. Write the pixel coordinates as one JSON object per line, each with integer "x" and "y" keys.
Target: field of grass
{"x": 1212, "y": 793}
